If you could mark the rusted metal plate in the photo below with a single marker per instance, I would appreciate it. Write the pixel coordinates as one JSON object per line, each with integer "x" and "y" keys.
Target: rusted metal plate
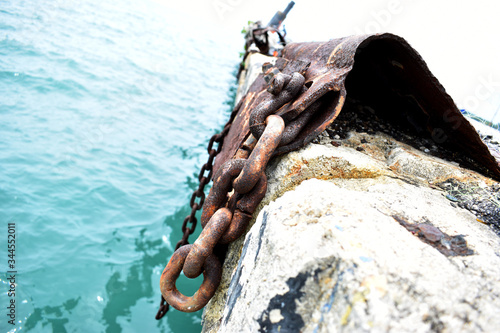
{"x": 381, "y": 70}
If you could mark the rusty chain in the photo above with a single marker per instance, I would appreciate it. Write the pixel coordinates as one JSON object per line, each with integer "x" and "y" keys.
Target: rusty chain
{"x": 200, "y": 193}
{"x": 239, "y": 186}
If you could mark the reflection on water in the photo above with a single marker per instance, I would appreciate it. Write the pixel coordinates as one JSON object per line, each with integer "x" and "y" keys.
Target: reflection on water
{"x": 55, "y": 316}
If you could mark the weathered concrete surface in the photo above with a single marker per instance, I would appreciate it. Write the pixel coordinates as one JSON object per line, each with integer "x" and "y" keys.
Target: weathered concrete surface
{"x": 327, "y": 252}
{"x": 325, "y": 258}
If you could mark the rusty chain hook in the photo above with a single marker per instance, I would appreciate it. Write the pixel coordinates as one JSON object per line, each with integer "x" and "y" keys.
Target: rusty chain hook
{"x": 204, "y": 245}
{"x": 258, "y": 159}
{"x": 212, "y": 272}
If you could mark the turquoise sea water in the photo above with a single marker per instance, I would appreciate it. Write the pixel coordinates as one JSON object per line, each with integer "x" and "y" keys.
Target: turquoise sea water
{"x": 105, "y": 111}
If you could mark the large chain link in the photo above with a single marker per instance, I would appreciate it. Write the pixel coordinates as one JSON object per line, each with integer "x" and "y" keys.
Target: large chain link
{"x": 239, "y": 186}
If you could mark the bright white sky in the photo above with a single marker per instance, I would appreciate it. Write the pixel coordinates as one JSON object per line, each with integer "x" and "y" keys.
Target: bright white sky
{"x": 458, "y": 39}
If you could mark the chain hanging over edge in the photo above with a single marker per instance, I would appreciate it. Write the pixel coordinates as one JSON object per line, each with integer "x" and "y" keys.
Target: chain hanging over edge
{"x": 226, "y": 216}
{"x": 200, "y": 193}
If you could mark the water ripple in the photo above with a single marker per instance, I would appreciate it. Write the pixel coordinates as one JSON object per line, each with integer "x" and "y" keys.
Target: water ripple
{"x": 105, "y": 112}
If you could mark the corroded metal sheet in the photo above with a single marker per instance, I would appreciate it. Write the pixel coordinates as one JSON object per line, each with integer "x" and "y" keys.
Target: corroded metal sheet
{"x": 380, "y": 70}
